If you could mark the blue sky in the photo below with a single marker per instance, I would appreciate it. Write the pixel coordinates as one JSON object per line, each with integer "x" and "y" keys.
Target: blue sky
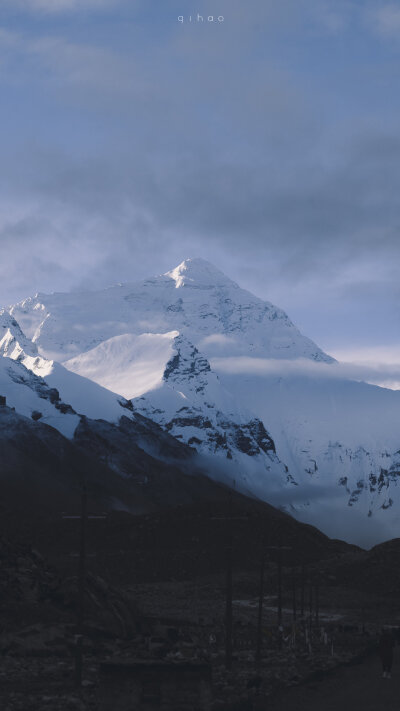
{"x": 268, "y": 143}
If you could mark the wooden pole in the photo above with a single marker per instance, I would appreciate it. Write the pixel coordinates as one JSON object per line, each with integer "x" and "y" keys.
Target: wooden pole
{"x": 260, "y": 606}
{"x": 228, "y": 593}
{"x": 302, "y": 590}
{"x": 279, "y": 587}
{"x": 228, "y": 609}
{"x": 81, "y": 590}
{"x": 294, "y": 596}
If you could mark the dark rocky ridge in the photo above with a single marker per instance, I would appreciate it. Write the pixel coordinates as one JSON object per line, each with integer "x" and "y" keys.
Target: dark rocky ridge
{"x": 134, "y": 466}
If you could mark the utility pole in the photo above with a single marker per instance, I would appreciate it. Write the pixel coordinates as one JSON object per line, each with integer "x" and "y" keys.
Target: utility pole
{"x": 260, "y": 603}
{"x": 229, "y": 584}
{"x": 81, "y": 590}
{"x": 303, "y": 575}
{"x": 280, "y": 549}
{"x": 279, "y": 587}
{"x": 80, "y": 612}
{"x": 294, "y": 596}
{"x": 228, "y": 600}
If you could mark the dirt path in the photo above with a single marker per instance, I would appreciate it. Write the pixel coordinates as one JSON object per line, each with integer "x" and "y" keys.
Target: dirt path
{"x": 355, "y": 688}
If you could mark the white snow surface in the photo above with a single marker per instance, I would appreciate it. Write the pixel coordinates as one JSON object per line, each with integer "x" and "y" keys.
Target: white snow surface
{"x": 13, "y": 341}
{"x": 128, "y": 364}
{"x": 167, "y": 343}
{"x": 26, "y": 393}
{"x": 83, "y": 395}
{"x": 193, "y": 405}
{"x": 195, "y": 299}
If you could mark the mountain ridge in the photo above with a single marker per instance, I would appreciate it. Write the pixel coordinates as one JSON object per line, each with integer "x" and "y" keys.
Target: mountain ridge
{"x": 224, "y": 310}
{"x": 162, "y": 344}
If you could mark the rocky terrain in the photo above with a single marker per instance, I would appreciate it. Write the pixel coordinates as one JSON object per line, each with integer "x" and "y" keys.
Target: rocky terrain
{"x": 142, "y": 429}
{"x": 156, "y": 589}
{"x": 223, "y": 372}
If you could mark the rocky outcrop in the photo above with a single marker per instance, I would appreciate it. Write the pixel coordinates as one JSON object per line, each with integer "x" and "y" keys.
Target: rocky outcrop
{"x": 193, "y": 406}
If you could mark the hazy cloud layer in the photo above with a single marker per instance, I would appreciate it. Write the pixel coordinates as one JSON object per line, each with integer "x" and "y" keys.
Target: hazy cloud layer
{"x": 61, "y": 6}
{"x": 386, "y": 20}
{"x": 375, "y": 372}
{"x": 269, "y": 144}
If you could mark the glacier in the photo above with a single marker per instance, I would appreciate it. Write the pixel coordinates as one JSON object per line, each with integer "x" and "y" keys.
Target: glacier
{"x": 185, "y": 348}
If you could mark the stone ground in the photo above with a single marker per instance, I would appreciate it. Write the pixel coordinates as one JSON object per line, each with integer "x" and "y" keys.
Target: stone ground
{"x": 37, "y": 623}
{"x": 359, "y": 687}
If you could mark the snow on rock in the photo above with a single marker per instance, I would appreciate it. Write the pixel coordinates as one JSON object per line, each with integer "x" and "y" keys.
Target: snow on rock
{"x": 192, "y": 405}
{"x": 196, "y": 299}
{"x": 128, "y": 364}
{"x": 13, "y": 341}
{"x": 326, "y": 449}
{"x": 86, "y": 397}
{"x": 32, "y": 397}
{"x": 81, "y": 394}
{"x": 340, "y": 441}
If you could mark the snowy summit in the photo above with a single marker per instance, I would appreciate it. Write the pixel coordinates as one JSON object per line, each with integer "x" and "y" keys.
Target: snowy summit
{"x": 209, "y": 362}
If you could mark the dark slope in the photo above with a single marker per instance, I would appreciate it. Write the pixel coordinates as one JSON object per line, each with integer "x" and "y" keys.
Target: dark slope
{"x": 41, "y": 469}
{"x": 182, "y": 520}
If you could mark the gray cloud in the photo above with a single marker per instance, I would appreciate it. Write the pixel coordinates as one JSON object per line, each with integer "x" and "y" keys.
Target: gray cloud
{"x": 385, "y": 374}
{"x": 384, "y": 19}
{"x": 203, "y": 141}
{"x": 61, "y": 6}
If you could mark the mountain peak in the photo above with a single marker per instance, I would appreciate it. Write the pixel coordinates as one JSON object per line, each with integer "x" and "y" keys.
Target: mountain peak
{"x": 13, "y": 341}
{"x": 198, "y": 272}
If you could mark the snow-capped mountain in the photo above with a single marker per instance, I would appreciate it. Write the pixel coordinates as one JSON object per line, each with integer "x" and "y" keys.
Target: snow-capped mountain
{"x": 27, "y": 380}
{"x": 340, "y": 441}
{"x": 195, "y": 299}
{"x": 13, "y": 342}
{"x": 195, "y": 352}
{"x": 48, "y": 448}
{"x": 195, "y": 408}
{"x": 32, "y": 397}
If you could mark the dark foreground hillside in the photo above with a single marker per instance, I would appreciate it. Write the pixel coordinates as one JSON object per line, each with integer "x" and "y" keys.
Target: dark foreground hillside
{"x": 157, "y": 605}
{"x": 155, "y": 594}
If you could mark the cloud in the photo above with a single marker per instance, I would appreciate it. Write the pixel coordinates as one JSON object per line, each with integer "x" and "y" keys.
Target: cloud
{"x": 384, "y": 374}
{"x": 69, "y": 65}
{"x": 350, "y": 526}
{"x": 52, "y": 243}
{"x": 385, "y": 20}
{"x": 313, "y": 503}
{"x": 60, "y": 6}
{"x": 386, "y": 355}
{"x": 81, "y": 65}
{"x": 332, "y": 17}
{"x": 217, "y": 339}
{"x": 245, "y": 144}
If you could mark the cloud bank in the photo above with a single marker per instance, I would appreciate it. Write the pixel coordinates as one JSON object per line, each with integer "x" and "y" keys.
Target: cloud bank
{"x": 385, "y": 375}
{"x": 61, "y": 6}
{"x": 268, "y": 145}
